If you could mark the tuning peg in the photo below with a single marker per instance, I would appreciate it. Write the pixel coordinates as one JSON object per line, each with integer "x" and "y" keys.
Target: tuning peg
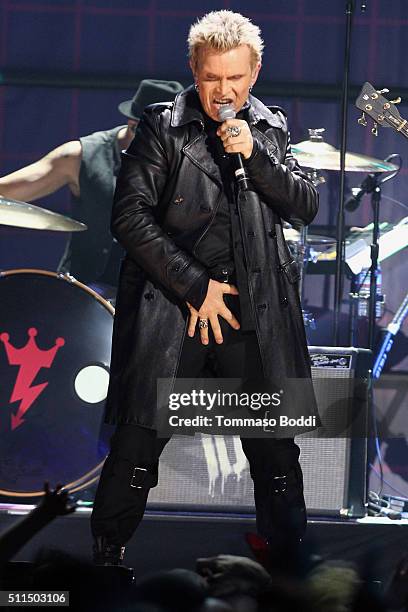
{"x": 374, "y": 129}
{"x": 383, "y": 91}
{"x": 362, "y": 120}
{"x": 396, "y": 101}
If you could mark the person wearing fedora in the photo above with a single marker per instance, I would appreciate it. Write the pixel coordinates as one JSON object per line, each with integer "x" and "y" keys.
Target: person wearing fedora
{"x": 89, "y": 167}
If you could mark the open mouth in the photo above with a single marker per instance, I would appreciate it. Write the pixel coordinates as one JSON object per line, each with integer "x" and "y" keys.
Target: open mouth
{"x": 219, "y": 103}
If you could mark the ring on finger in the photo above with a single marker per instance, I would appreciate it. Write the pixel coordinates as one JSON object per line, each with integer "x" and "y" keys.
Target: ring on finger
{"x": 233, "y": 130}
{"x": 203, "y": 323}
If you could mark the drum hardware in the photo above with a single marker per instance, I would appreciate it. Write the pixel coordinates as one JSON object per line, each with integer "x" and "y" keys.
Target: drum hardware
{"x": 317, "y": 154}
{"x": 302, "y": 246}
{"x": 371, "y": 102}
{"x": 313, "y": 255}
{"x": 292, "y": 236}
{"x": 362, "y": 294}
{"x": 309, "y": 319}
{"x": 56, "y": 432}
{"x": 20, "y": 214}
{"x": 359, "y": 304}
{"x": 394, "y": 238}
{"x": 290, "y": 233}
{"x": 369, "y": 184}
{"x": 318, "y": 240}
{"x": 66, "y": 276}
{"x": 372, "y": 184}
{"x": 384, "y": 113}
{"x": 303, "y": 256}
{"x": 315, "y": 176}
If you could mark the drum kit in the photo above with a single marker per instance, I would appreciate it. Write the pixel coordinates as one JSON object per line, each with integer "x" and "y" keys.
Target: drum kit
{"x": 317, "y": 253}
{"x": 55, "y": 342}
{"x": 55, "y": 347}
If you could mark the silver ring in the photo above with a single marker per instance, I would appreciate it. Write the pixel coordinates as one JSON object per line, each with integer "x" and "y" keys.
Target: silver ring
{"x": 233, "y": 130}
{"x": 203, "y": 323}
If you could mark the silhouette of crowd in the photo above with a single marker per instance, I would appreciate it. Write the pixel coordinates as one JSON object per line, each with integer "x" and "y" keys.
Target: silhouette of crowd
{"x": 286, "y": 577}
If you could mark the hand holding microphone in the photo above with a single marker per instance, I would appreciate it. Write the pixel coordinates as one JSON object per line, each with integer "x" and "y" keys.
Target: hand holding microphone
{"x": 237, "y": 140}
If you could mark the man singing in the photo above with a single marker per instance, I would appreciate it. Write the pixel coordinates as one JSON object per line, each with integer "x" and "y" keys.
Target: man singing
{"x": 205, "y": 277}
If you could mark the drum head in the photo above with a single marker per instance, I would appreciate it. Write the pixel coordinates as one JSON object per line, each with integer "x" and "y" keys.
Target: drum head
{"x": 55, "y": 341}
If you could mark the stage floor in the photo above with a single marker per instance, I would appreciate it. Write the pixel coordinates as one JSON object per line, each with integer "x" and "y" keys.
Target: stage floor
{"x": 166, "y": 540}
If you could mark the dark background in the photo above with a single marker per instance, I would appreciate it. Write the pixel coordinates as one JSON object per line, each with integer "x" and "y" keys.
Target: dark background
{"x": 66, "y": 64}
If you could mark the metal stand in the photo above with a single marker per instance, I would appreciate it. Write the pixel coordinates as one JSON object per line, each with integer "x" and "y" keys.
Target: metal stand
{"x": 338, "y": 292}
{"x": 373, "y": 186}
{"x": 375, "y": 201}
{"x": 303, "y": 256}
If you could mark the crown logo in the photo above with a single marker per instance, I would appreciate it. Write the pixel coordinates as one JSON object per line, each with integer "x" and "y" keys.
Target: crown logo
{"x": 30, "y": 359}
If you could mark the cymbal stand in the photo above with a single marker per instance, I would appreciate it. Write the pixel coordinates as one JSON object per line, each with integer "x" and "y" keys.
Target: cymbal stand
{"x": 340, "y": 250}
{"x": 303, "y": 251}
{"x": 374, "y": 249}
{"x": 303, "y": 256}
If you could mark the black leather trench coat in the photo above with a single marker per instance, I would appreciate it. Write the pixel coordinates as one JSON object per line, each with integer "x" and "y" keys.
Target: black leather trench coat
{"x": 167, "y": 194}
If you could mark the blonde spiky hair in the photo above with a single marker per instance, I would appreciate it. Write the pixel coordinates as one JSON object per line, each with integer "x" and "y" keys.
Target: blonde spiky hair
{"x": 222, "y": 31}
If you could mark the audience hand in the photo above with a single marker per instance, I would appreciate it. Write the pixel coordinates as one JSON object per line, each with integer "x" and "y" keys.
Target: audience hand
{"x": 56, "y": 502}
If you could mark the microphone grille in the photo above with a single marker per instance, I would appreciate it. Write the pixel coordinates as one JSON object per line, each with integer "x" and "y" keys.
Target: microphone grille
{"x": 226, "y": 111}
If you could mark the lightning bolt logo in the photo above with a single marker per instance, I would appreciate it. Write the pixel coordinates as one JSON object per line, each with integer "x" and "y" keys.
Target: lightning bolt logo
{"x": 30, "y": 360}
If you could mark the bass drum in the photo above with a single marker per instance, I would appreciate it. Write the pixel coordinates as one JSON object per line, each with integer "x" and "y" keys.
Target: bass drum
{"x": 55, "y": 343}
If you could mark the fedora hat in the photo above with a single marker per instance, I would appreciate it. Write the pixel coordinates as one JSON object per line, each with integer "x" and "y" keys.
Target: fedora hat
{"x": 149, "y": 92}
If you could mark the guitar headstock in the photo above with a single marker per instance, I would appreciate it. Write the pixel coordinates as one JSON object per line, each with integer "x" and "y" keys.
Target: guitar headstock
{"x": 383, "y": 111}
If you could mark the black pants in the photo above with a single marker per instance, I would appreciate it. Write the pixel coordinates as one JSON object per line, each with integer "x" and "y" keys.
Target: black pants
{"x": 132, "y": 466}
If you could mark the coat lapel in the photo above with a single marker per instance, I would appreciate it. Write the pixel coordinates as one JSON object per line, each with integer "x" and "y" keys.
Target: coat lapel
{"x": 197, "y": 152}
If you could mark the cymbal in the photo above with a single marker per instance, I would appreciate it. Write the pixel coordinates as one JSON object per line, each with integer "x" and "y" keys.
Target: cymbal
{"x": 317, "y": 240}
{"x": 318, "y": 154}
{"x": 21, "y": 214}
{"x": 292, "y": 235}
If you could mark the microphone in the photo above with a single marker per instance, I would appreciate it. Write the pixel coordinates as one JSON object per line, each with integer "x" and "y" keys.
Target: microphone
{"x": 371, "y": 182}
{"x": 227, "y": 111}
{"x": 358, "y": 192}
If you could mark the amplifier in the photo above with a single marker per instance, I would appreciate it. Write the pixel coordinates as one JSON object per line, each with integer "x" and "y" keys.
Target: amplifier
{"x": 211, "y": 474}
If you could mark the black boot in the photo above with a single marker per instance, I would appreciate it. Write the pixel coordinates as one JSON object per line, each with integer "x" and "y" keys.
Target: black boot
{"x": 106, "y": 553}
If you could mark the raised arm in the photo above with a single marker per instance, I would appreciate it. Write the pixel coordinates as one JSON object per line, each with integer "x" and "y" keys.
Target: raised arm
{"x": 283, "y": 185}
{"x": 58, "y": 168}
{"x": 56, "y": 502}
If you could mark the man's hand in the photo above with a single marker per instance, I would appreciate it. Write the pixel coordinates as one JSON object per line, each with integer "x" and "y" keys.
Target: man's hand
{"x": 211, "y": 308}
{"x": 243, "y": 143}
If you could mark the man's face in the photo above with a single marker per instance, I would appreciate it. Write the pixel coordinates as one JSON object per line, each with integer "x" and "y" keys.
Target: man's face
{"x": 132, "y": 124}
{"x": 224, "y": 78}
